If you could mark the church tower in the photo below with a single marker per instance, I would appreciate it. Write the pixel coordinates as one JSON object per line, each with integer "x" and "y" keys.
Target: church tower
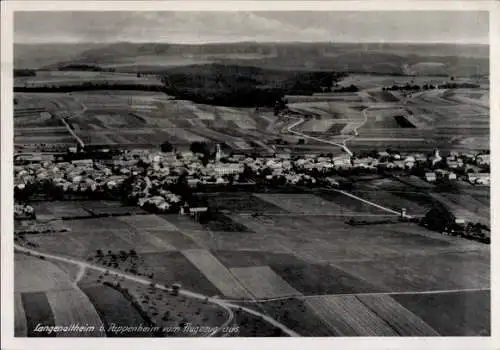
{"x": 218, "y": 153}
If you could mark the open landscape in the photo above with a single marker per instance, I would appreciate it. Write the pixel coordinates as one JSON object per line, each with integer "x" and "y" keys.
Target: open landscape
{"x": 251, "y": 189}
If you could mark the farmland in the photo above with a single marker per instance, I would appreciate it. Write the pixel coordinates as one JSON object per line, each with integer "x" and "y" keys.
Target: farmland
{"x": 320, "y": 261}
{"x": 300, "y": 248}
{"x": 46, "y": 296}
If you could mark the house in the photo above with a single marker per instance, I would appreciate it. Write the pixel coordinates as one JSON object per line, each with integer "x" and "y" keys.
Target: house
{"x": 82, "y": 162}
{"x": 483, "y": 159}
{"x": 430, "y": 177}
{"x": 479, "y": 178}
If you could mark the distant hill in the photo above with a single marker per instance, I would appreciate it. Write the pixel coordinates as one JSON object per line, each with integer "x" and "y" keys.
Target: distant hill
{"x": 355, "y": 57}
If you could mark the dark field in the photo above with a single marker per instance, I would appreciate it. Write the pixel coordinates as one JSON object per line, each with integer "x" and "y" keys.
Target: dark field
{"x": 403, "y": 122}
{"x": 294, "y": 314}
{"x": 172, "y": 267}
{"x": 38, "y": 312}
{"x": 452, "y": 314}
{"x": 114, "y": 308}
{"x": 242, "y": 203}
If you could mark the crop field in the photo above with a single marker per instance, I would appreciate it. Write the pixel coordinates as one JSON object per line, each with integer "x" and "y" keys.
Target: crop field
{"x": 61, "y": 209}
{"x": 402, "y": 320}
{"x": 347, "y": 316}
{"x": 419, "y": 273}
{"x": 20, "y": 323}
{"x": 349, "y": 205}
{"x": 114, "y": 308}
{"x": 303, "y": 204}
{"x": 321, "y": 125}
{"x": 74, "y": 307}
{"x": 263, "y": 282}
{"x": 395, "y": 201}
{"x": 216, "y": 272}
{"x": 37, "y": 311}
{"x": 295, "y": 315}
{"x": 470, "y": 211}
{"x": 35, "y": 275}
{"x": 242, "y": 203}
{"x": 180, "y": 269}
{"x": 46, "y": 295}
{"x": 464, "y": 313}
{"x": 470, "y": 203}
{"x": 67, "y": 78}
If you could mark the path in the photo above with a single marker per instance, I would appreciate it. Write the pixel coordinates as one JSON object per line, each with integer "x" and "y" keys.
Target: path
{"x": 225, "y": 305}
{"x": 444, "y": 291}
{"x": 75, "y": 136}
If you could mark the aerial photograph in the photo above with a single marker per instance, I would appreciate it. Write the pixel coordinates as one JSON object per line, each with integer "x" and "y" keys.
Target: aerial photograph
{"x": 251, "y": 174}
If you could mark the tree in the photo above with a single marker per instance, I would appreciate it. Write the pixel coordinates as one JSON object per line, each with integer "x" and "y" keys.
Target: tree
{"x": 166, "y": 147}
{"x": 200, "y": 147}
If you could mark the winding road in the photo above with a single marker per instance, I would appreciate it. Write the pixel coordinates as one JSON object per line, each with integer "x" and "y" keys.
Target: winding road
{"x": 342, "y": 145}
{"x": 227, "y": 306}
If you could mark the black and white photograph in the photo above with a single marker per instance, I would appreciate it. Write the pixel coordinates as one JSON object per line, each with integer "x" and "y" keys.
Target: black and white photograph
{"x": 249, "y": 173}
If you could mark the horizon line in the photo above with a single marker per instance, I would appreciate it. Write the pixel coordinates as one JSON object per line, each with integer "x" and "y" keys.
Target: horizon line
{"x": 251, "y": 42}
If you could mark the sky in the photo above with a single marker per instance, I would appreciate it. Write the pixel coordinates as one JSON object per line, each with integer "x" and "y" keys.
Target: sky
{"x": 206, "y": 27}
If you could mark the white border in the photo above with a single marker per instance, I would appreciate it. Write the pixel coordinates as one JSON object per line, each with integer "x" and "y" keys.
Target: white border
{"x": 7, "y": 256}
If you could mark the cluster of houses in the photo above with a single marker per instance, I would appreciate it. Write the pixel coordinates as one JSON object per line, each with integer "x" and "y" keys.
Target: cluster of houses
{"x": 152, "y": 171}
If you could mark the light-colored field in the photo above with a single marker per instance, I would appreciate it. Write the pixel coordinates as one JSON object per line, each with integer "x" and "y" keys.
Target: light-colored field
{"x": 73, "y": 307}
{"x": 303, "y": 203}
{"x": 145, "y": 241}
{"x": 347, "y": 316}
{"x": 263, "y": 282}
{"x": 317, "y": 125}
{"x": 35, "y": 275}
{"x": 216, "y": 272}
{"x": 397, "y": 316}
{"x": 20, "y": 324}
{"x": 147, "y": 221}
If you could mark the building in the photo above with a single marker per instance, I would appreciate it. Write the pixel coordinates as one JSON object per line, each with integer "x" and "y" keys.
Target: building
{"x": 479, "y": 178}
{"x": 430, "y": 177}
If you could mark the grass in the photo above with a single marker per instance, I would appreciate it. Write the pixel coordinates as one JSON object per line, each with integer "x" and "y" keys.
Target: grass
{"x": 452, "y": 314}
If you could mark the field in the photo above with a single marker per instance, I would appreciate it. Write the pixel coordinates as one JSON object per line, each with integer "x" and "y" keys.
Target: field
{"x": 113, "y": 308}
{"x": 452, "y": 314}
{"x": 418, "y": 273}
{"x": 347, "y": 316}
{"x": 299, "y": 246}
{"x": 402, "y": 320}
{"x": 45, "y": 295}
{"x": 263, "y": 282}
{"x": 217, "y": 273}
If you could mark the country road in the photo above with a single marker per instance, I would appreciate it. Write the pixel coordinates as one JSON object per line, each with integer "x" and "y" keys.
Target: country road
{"x": 341, "y": 145}
{"x": 225, "y": 305}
